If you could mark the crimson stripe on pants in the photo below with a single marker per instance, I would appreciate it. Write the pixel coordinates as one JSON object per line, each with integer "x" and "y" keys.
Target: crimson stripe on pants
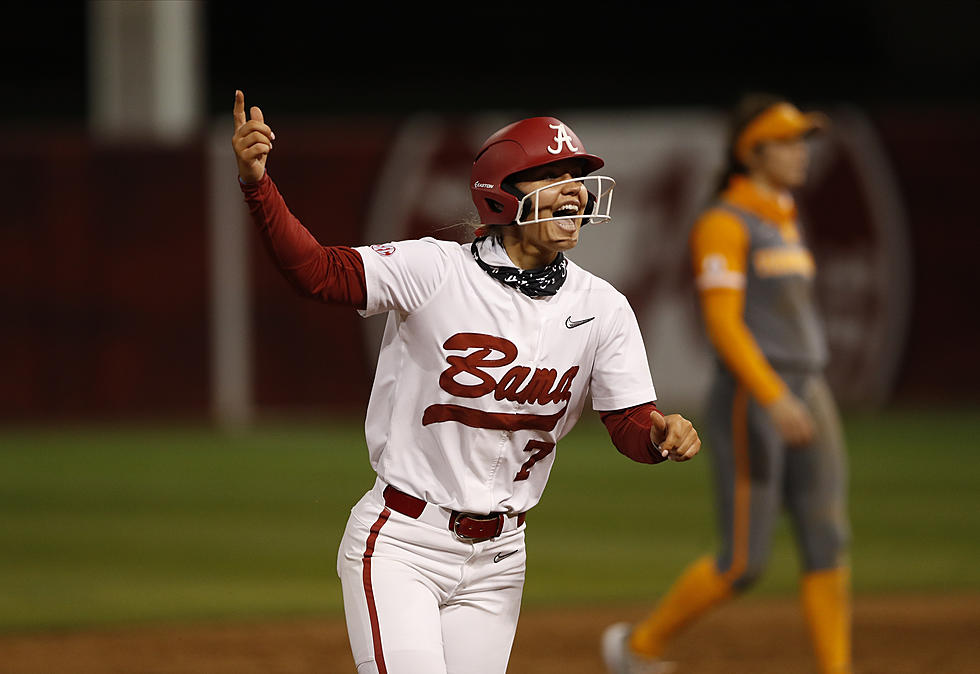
{"x": 379, "y": 657}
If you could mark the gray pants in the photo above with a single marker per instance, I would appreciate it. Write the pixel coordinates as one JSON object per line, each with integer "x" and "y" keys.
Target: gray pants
{"x": 756, "y": 475}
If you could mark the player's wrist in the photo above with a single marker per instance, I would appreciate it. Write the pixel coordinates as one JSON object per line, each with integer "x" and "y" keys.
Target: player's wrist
{"x": 246, "y": 182}
{"x": 656, "y": 452}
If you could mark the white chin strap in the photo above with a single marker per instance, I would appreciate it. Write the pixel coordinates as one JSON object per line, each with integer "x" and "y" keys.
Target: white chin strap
{"x": 602, "y": 194}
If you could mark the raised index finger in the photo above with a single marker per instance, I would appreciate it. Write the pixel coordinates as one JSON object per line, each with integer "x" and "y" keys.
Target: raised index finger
{"x": 239, "y": 110}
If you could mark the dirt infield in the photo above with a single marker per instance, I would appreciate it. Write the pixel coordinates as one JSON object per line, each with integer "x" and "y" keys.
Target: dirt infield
{"x": 757, "y": 636}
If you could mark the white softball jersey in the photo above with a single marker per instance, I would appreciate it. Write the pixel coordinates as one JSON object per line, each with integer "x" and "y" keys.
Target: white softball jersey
{"x": 477, "y": 383}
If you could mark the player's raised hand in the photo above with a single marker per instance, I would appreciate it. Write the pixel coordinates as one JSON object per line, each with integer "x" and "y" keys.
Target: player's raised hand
{"x": 675, "y": 435}
{"x": 252, "y": 141}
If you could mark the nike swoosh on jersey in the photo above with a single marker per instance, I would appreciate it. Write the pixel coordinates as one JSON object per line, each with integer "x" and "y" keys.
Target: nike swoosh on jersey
{"x": 504, "y": 555}
{"x": 569, "y": 323}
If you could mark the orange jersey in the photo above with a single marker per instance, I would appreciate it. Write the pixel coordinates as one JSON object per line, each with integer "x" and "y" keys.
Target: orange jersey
{"x": 754, "y": 278}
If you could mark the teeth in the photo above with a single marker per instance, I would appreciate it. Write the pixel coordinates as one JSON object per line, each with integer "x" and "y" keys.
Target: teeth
{"x": 567, "y": 225}
{"x": 567, "y": 208}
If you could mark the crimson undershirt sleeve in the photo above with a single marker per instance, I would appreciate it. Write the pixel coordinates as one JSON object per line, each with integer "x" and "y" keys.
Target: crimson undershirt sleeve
{"x": 333, "y": 274}
{"x": 630, "y": 432}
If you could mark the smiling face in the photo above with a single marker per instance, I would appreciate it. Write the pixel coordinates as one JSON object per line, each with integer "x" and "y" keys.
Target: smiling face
{"x": 540, "y": 242}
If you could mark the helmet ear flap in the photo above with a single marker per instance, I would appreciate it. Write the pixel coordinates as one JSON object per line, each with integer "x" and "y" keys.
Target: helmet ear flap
{"x": 494, "y": 206}
{"x": 511, "y": 189}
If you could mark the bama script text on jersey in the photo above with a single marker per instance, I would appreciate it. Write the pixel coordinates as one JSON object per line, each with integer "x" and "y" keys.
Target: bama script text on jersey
{"x": 518, "y": 385}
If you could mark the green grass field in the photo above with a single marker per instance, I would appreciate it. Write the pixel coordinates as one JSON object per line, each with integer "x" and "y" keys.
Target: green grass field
{"x": 134, "y": 524}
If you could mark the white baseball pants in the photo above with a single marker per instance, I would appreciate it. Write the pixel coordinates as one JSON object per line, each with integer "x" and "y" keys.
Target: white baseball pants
{"x": 418, "y": 600}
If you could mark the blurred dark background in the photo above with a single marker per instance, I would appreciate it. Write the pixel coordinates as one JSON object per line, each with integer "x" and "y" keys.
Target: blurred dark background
{"x": 97, "y": 324}
{"x": 468, "y": 56}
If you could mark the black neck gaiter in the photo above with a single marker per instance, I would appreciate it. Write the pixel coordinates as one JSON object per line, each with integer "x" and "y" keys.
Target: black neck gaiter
{"x": 533, "y": 282}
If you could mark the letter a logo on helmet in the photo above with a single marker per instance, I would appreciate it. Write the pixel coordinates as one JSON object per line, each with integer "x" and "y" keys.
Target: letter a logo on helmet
{"x": 517, "y": 147}
{"x": 561, "y": 137}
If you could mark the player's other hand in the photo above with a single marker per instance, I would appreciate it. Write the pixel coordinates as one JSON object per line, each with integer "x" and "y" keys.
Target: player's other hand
{"x": 252, "y": 141}
{"x": 675, "y": 435}
{"x": 792, "y": 419}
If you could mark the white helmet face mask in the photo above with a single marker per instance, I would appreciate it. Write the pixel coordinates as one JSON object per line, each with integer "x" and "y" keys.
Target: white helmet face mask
{"x": 600, "y": 189}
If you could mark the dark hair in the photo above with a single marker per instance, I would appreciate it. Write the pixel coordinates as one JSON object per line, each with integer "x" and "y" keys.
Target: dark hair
{"x": 748, "y": 108}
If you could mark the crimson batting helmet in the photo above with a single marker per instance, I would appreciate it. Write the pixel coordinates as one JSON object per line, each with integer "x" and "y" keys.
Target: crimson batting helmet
{"x": 526, "y": 144}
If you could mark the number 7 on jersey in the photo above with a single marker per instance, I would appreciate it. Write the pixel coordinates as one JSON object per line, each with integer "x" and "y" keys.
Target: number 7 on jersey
{"x": 539, "y": 449}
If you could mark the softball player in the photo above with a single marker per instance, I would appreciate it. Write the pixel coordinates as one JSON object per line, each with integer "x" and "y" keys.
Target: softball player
{"x": 489, "y": 352}
{"x": 773, "y": 427}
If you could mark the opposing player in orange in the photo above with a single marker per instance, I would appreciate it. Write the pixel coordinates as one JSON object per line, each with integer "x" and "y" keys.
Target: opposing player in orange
{"x": 773, "y": 428}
